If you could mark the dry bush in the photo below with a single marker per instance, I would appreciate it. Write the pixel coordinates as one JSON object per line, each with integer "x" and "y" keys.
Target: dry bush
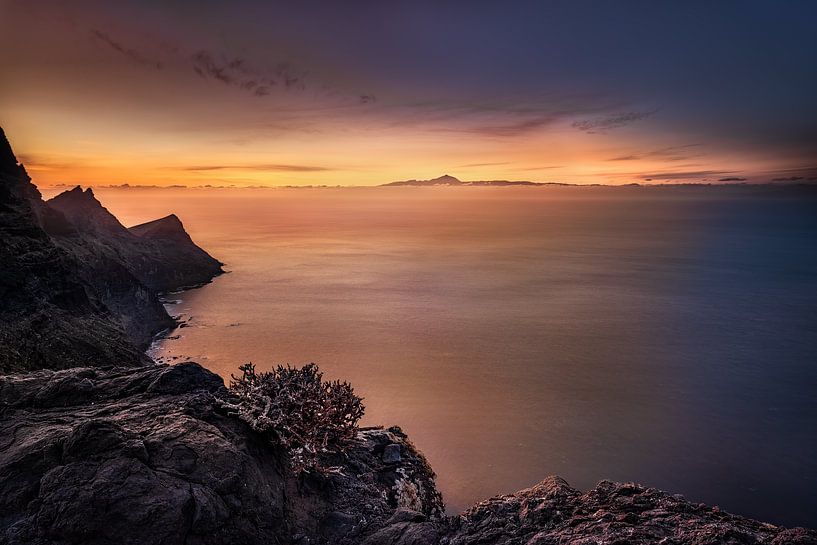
{"x": 297, "y": 409}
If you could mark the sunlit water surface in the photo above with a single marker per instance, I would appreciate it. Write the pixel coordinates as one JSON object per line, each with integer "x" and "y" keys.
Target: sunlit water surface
{"x": 661, "y": 336}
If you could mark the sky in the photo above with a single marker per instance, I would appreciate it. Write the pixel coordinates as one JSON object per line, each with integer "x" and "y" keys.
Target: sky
{"x": 266, "y": 93}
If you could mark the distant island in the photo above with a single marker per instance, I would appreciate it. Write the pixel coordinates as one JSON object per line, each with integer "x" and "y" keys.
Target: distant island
{"x": 449, "y": 180}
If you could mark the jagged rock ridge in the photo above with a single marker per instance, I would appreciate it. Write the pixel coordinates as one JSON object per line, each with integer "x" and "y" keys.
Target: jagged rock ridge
{"x": 48, "y": 317}
{"x": 78, "y": 287}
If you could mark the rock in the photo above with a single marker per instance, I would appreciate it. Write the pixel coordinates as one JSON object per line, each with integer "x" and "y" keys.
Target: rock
{"x": 552, "y": 513}
{"x": 185, "y": 377}
{"x": 391, "y": 454}
{"x": 146, "y": 455}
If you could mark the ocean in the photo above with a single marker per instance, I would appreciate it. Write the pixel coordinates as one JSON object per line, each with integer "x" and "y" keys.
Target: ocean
{"x": 666, "y": 336}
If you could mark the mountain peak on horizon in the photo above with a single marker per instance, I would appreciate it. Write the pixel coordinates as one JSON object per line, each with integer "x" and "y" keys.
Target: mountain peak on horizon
{"x": 445, "y": 179}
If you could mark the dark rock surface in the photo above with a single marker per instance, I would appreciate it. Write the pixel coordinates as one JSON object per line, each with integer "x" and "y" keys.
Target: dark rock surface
{"x": 146, "y": 456}
{"x": 553, "y": 513}
{"x": 170, "y": 260}
{"x": 160, "y": 253}
{"x": 78, "y": 288}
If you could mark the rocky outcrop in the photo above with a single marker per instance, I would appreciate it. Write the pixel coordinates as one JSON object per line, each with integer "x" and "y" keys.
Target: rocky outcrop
{"x": 160, "y": 253}
{"x": 168, "y": 257}
{"x": 553, "y": 513}
{"x": 146, "y": 456}
{"x": 77, "y": 287}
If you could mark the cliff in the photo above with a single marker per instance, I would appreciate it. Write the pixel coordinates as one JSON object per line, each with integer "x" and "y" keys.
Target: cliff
{"x": 48, "y": 317}
{"x": 168, "y": 257}
{"x": 78, "y": 288}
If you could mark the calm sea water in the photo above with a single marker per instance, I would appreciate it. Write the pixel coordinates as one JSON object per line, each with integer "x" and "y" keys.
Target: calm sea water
{"x": 662, "y": 336}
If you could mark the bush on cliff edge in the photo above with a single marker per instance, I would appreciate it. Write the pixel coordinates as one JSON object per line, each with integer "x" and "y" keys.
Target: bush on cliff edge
{"x": 297, "y": 409}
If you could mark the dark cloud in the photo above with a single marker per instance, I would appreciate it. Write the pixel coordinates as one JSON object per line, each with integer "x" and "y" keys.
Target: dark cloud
{"x": 128, "y": 52}
{"x": 229, "y": 70}
{"x": 503, "y": 130}
{"x": 789, "y": 179}
{"x": 539, "y": 168}
{"x": 732, "y": 179}
{"x": 684, "y": 175}
{"x": 238, "y": 73}
{"x": 614, "y": 121}
{"x": 261, "y": 167}
{"x": 472, "y": 165}
{"x": 673, "y": 153}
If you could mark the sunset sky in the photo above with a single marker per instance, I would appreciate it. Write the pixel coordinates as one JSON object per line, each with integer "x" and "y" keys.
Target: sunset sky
{"x": 362, "y": 93}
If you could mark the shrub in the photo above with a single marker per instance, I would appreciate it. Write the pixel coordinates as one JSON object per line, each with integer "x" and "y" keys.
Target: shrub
{"x": 297, "y": 409}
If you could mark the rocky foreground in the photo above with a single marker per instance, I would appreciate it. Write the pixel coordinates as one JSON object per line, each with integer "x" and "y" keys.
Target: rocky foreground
{"x": 148, "y": 456}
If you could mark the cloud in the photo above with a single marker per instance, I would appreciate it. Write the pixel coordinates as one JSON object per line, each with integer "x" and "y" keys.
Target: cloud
{"x": 603, "y": 124}
{"x": 237, "y": 72}
{"x": 128, "y": 52}
{"x": 683, "y": 175}
{"x": 228, "y": 70}
{"x": 503, "y": 130}
{"x": 260, "y": 167}
{"x": 732, "y": 179}
{"x": 672, "y": 153}
{"x": 473, "y": 165}
{"x": 789, "y": 179}
{"x": 549, "y": 167}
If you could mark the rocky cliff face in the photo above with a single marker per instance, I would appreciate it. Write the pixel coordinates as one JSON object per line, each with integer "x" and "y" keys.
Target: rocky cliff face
{"x": 160, "y": 253}
{"x": 77, "y": 287}
{"x": 48, "y": 317}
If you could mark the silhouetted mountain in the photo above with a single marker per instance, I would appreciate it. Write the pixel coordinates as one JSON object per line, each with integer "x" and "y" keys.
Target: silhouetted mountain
{"x": 159, "y": 253}
{"x": 445, "y": 179}
{"x": 78, "y": 288}
{"x": 86, "y": 213}
{"x": 452, "y": 181}
{"x": 168, "y": 258}
{"x": 49, "y": 318}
